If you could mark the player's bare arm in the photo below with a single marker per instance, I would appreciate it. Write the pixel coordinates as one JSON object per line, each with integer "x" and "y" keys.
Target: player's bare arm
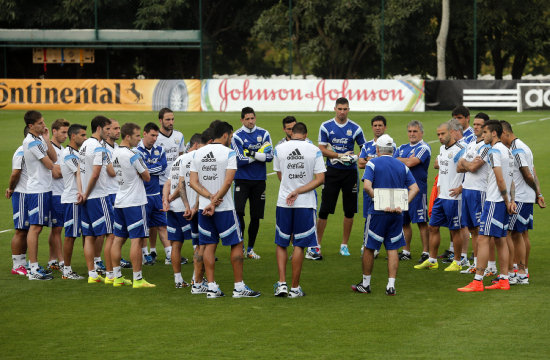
{"x": 14, "y": 179}
{"x": 318, "y": 180}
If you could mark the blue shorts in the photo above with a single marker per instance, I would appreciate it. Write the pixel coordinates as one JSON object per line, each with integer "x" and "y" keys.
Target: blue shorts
{"x": 180, "y": 229}
{"x": 223, "y": 224}
{"x": 446, "y": 213}
{"x": 112, "y": 198}
{"x": 494, "y": 219}
{"x": 523, "y": 220}
{"x": 155, "y": 217}
{"x": 131, "y": 222}
{"x": 472, "y": 206}
{"x": 97, "y": 217}
{"x": 20, "y": 215}
{"x": 72, "y": 220}
{"x": 300, "y": 222}
{"x": 57, "y": 212}
{"x": 38, "y": 207}
{"x": 384, "y": 228}
{"x": 367, "y": 201}
{"x": 418, "y": 210}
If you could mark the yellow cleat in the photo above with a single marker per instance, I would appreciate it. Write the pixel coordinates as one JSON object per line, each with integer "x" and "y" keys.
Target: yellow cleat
{"x": 121, "y": 281}
{"x": 453, "y": 267}
{"x": 98, "y": 279}
{"x": 427, "y": 265}
{"x": 109, "y": 281}
{"x": 138, "y": 284}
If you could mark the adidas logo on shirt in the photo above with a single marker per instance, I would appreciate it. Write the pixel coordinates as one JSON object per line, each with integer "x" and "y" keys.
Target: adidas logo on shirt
{"x": 295, "y": 155}
{"x": 209, "y": 157}
{"x": 331, "y": 132}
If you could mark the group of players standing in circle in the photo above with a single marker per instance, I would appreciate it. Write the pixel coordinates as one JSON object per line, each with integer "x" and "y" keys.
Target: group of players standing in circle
{"x": 148, "y": 184}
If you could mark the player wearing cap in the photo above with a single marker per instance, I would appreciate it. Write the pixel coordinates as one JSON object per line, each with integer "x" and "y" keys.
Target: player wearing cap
{"x": 384, "y": 226}
{"x": 497, "y": 209}
{"x": 300, "y": 168}
{"x": 131, "y": 200}
{"x": 212, "y": 171}
{"x": 341, "y": 134}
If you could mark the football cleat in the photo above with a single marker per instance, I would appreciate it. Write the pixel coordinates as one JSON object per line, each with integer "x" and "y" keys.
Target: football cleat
{"x": 390, "y": 291}
{"x": 39, "y": 275}
{"x": 280, "y": 289}
{"x": 502, "y": 284}
{"x": 490, "y": 272}
{"x": 121, "y": 281}
{"x": 423, "y": 258}
{"x": 246, "y": 292}
{"x": 313, "y": 254}
{"x": 453, "y": 267}
{"x": 344, "y": 250}
{"x": 252, "y": 255}
{"x": 446, "y": 255}
{"x": 213, "y": 294}
{"x": 296, "y": 293}
{"x": 184, "y": 260}
{"x": 199, "y": 289}
{"x": 167, "y": 261}
{"x": 141, "y": 283}
{"x": 72, "y": 276}
{"x": 100, "y": 267}
{"x": 54, "y": 267}
{"x": 404, "y": 257}
{"x": 470, "y": 270}
{"x": 180, "y": 285}
{"x": 360, "y": 288}
{"x": 474, "y": 286}
{"x": 153, "y": 255}
{"x": 96, "y": 280}
{"x": 125, "y": 264}
{"x": 148, "y": 260}
{"x": 427, "y": 265}
{"x": 109, "y": 281}
{"x": 464, "y": 262}
{"x": 523, "y": 281}
{"x": 21, "y": 270}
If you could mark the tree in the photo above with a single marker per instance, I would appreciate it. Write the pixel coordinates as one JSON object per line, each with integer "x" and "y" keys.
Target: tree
{"x": 442, "y": 40}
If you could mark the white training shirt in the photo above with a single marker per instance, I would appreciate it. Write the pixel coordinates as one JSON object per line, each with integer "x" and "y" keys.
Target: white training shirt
{"x": 182, "y": 168}
{"x": 173, "y": 145}
{"x": 70, "y": 162}
{"x": 523, "y": 157}
{"x": 58, "y": 186}
{"x": 476, "y": 180}
{"x": 128, "y": 165}
{"x": 297, "y": 161}
{"x": 39, "y": 177}
{"x": 448, "y": 177}
{"x": 499, "y": 156}
{"x": 18, "y": 163}
{"x": 112, "y": 182}
{"x": 210, "y": 163}
{"x": 92, "y": 152}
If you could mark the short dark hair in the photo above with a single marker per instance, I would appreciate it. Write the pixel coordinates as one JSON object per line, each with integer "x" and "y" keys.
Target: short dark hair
{"x": 32, "y": 116}
{"x": 150, "y": 126}
{"x": 74, "y": 129}
{"x": 494, "y": 125}
{"x": 341, "y": 101}
{"x": 461, "y": 110}
{"x": 207, "y": 135}
{"x": 214, "y": 123}
{"x": 195, "y": 139}
{"x": 222, "y": 128}
{"x": 378, "y": 118}
{"x": 247, "y": 110}
{"x": 26, "y": 131}
{"x": 482, "y": 115}
{"x": 299, "y": 128}
{"x": 506, "y": 126}
{"x": 164, "y": 111}
{"x": 288, "y": 120}
{"x": 59, "y": 123}
{"x": 128, "y": 129}
{"x": 100, "y": 121}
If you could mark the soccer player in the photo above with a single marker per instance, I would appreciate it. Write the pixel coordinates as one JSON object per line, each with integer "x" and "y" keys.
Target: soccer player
{"x": 462, "y": 115}
{"x": 130, "y": 206}
{"x": 384, "y": 226}
{"x": 17, "y": 189}
{"x": 59, "y": 135}
{"x": 475, "y": 183}
{"x": 253, "y": 147}
{"x": 155, "y": 160}
{"x": 496, "y": 211}
{"x": 446, "y": 209}
{"x": 97, "y": 211}
{"x": 527, "y": 192}
{"x": 368, "y": 150}
{"x": 416, "y": 155}
{"x": 341, "y": 134}
{"x": 212, "y": 171}
{"x": 173, "y": 143}
{"x": 72, "y": 195}
{"x": 300, "y": 168}
{"x": 39, "y": 157}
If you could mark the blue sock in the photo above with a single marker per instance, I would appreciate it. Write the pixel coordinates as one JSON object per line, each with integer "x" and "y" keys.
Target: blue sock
{"x": 248, "y": 249}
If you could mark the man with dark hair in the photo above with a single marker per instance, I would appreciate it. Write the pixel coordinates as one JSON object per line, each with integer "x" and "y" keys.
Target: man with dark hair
{"x": 71, "y": 198}
{"x": 300, "y": 168}
{"x": 288, "y": 124}
{"x": 462, "y": 115}
{"x": 212, "y": 171}
{"x": 40, "y": 157}
{"x": 253, "y": 148}
{"x": 337, "y": 138}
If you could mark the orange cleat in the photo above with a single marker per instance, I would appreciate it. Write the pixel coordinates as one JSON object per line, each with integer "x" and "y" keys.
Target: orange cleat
{"x": 474, "y": 286}
{"x": 502, "y": 284}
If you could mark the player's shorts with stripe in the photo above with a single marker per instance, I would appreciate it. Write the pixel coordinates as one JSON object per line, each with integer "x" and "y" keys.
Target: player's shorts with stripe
{"x": 131, "y": 222}
{"x": 72, "y": 219}
{"x": 155, "y": 217}
{"x": 20, "y": 214}
{"x": 523, "y": 220}
{"x": 57, "y": 212}
{"x": 97, "y": 217}
{"x": 180, "y": 229}
{"x": 418, "y": 210}
{"x": 38, "y": 207}
{"x": 337, "y": 180}
{"x": 446, "y": 213}
{"x": 298, "y": 224}
{"x": 384, "y": 228}
{"x": 472, "y": 207}
{"x": 494, "y": 219}
{"x": 223, "y": 224}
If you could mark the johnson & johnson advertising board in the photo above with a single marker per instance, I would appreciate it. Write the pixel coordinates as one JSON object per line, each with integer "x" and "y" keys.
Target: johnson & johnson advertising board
{"x": 311, "y": 95}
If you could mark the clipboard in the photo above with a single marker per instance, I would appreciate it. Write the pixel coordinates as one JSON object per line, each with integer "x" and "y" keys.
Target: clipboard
{"x": 391, "y": 198}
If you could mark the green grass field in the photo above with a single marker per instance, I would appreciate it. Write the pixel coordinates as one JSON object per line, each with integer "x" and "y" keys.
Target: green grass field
{"x": 427, "y": 319}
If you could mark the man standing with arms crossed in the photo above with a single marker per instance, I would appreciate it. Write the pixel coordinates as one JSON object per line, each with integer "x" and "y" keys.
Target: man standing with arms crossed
{"x": 341, "y": 134}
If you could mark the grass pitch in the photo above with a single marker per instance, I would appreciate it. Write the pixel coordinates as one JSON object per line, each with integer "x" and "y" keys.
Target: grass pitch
{"x": 428, "y": 317}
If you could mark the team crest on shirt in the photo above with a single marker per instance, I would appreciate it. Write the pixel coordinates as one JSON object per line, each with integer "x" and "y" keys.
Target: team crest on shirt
{"x": 450, "y": 156}
{"x": 348, "y": 133}
{"x": 177, "y": 141}
{"x": 156, "y": 153}
{"x": 259, "y": 138}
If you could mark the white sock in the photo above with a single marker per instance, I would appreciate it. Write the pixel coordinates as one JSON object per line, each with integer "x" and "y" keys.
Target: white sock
{"x": 406, "y": 252}
{"x": 96, "y": 259}
{"x": 168, "y": 251}
{"x": 212, "y": 286}
{"x": 153, "y": 250}
{"x": 144, "y": 251}
{"x": 137, "y": 275}
{"x": 52, "y": 261}
{"x": 432, "y": 260}
{"x": 117, "y": 270}
{"x": 34, "y": 267}
{"x": 515, "y": 266}
{"x": 67, "y": 270}
{"x": 15, "y": 259}
{"x": 457, "y": 262}
{"x": 178, "y": 278}
{"x": 366, "y": 280}
{"x": 239, "y": 286}
{"x": 492, "y": 264}
{"x": 391, "y": 283}
{"x": 295, "y": 289}
{"x": 343, "y": 245}
{"x": 61, "y": 263}
{"x": 452, "y": 247}
{"x": 475, "y": 260}
{"x": 464, "y": 255}
{"x": 92, "y": 274}
{"x": 20, "y": 260}
{"x": 110, "y": 275}
{"x": 478, "y": 277}
{"x": 526, "y": 271}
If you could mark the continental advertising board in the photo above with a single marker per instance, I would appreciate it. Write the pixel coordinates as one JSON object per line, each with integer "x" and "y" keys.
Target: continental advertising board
{"x": 99, "y": 94}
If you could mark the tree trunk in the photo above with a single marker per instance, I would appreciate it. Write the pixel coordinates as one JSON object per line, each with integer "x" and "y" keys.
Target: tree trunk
{"x": 442, "y": 40}
{"x": 520, "y": 60}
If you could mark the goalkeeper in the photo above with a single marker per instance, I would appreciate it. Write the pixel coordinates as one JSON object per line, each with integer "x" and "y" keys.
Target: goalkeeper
{"x": 253, "y": 148}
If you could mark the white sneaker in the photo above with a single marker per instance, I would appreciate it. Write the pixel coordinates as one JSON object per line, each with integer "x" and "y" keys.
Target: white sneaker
{"x": 252, "y": 255}
{"x": 280, "y": 290}
{"x": 296, "y": 293}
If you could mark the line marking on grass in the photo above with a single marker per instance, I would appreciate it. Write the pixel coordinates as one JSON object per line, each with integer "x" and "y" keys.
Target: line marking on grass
{"x": 3, "y": 231}
{"x": 273, "y": 173}
{"x": 544, "y": 119}
{"x": 526, "y": 122}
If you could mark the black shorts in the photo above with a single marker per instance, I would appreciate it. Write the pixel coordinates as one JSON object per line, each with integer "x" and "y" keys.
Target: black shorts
{"x": 253, "y": 190}
{"x": 336, "y": 180}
